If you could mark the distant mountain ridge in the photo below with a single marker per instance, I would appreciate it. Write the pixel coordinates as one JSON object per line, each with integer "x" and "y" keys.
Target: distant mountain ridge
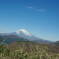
{"x": 21, "y": 35}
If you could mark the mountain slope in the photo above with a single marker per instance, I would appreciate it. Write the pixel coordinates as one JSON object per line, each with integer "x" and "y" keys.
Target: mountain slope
{"x": 21, "y": 35}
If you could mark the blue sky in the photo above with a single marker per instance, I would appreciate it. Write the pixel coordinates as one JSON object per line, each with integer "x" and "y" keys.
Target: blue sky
{"x": 40, "y": 17}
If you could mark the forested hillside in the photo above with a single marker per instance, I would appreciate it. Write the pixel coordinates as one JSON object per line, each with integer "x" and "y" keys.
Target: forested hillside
{"x": 29, "y": 50}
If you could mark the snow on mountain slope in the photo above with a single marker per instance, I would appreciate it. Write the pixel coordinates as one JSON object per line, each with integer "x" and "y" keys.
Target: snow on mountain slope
{"x": 24, "y": 31}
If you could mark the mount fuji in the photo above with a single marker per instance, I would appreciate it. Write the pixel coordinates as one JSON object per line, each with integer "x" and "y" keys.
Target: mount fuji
{"x": 20, "y": 35}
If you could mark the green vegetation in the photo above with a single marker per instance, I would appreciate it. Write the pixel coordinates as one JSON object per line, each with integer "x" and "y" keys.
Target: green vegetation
{"x": 28, "y": 50}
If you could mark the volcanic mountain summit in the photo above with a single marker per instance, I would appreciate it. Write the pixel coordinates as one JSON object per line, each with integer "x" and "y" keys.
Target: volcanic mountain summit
{"x": 24, "y": 31}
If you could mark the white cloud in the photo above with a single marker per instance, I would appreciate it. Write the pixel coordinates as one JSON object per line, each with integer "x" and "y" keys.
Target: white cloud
{"x": 37, "y": 9}
{"x": 29, "y": 7}
{"x": 41, "y": 10}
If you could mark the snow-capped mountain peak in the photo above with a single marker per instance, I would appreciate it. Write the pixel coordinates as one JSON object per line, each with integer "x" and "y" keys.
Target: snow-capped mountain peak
{"x": 21, "y": 35}
{"x": 23, "y": 31}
